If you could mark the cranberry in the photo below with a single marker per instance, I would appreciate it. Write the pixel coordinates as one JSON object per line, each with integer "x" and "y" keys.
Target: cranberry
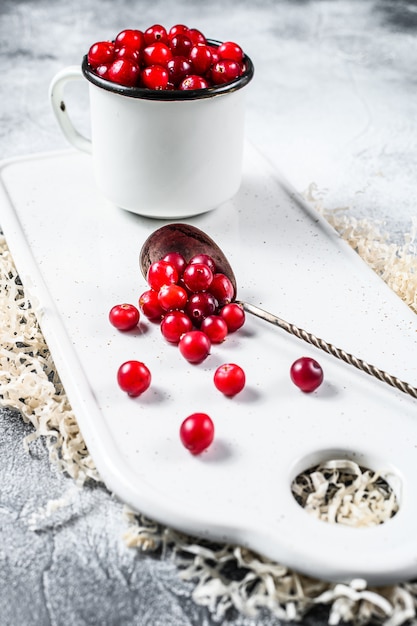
{"x": 124, "y": 316}
{"x": 172, "y": 297}
{"x": 133, "y": 377}
{"x": 178, "y": 29}
{"x": 194, "y": 82}
{"x": 201, "y": 305}
{"x": 100, "y": 53}
{"x": 174, "y": 325}
{"x": 197, "y": 276}
{"x": 200, "y": 57}
{"x": 155, "y": 33}
{"x": 215, "y": 328}
{"x": 214, "y": 54}
{"x": 124, "y": 72}
{"x": 156, "y": 53}
{"x": 234, "y": 316}
{"x": 306, "y": 374}
{"x": 225, "y": 71}
{"x": 196, "y": 36}
{"x": 222, "y": 289}
{"x": 194, "y": 346}
{"x": 161, "y": 273}
{"x": 180, "y": 45}
{"x": 230, "y": 379}
{"x": 103, "y": 71}
{"x": 128, "y": 53}
{"x": 150, "y": 307}
{"x": 197, "y": 432}
{"x": 231, "y": 51}
{"x": 178, "y": 68}
{"x": 205, "y": 259}
{"x": 177, "y": 260}
{"x": 130, "y": 38}
{"x": 155, "y": 77}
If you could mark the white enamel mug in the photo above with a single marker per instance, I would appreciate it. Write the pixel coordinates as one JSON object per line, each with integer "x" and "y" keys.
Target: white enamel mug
{"x": 161, "y": 154}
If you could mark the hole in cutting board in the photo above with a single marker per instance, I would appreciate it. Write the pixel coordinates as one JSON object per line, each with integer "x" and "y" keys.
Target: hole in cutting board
{"x": 336, "y": 487}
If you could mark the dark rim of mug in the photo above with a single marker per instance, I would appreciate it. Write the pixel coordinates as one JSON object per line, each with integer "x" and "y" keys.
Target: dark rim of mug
{"x": 173, "y": 94}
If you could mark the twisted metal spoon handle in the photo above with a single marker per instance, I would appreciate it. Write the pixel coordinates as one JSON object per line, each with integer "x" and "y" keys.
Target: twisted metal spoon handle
{"x": 393, "y": 381}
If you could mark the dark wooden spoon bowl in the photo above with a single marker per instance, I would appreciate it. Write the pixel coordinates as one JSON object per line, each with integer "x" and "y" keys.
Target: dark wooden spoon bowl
{"x": 188, "y": 241}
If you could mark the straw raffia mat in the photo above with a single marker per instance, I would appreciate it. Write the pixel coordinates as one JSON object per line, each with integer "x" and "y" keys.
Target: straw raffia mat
{"x": 224, "y": 575}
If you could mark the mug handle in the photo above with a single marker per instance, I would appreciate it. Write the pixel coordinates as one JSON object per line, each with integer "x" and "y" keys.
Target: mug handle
{"x": 56, "y": 95}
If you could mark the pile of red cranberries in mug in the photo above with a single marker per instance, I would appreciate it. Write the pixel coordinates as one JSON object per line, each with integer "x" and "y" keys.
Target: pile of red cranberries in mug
{"x": 179, "y": 58}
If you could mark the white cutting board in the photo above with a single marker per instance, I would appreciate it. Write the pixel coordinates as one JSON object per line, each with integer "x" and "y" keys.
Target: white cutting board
{"x": 78, "y": 256}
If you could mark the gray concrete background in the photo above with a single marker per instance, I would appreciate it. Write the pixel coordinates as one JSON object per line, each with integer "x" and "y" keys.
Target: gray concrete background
{"x": 333, "y": 102}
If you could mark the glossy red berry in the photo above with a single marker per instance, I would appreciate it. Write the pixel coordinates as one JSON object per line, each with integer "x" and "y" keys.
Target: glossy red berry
{"x": 234, "y": 316}
{"x": 156, "y": 53}
{"x": 197, "y": 276}
{"x": 128, "y": 53}
{"x": 231, "y": 51}
{"x": 180, "y": 45}
{"x": 230, "y": 379}
{"x": 206, "y": 259}
{"x": 200, "y": 305}
{"x": 124, "y": 72}
{"x": 174, "y": 325}
{"x": 177, "y": 260}
{"x": 150, "y": 307}
{"x": 197, "y": 432}
{"x": 133, "y": 377}
{"x": 161, "y": 273}
{"x": 194, "y": 346}
{"x": 155, "y": 77}
{"x": 307, "y": 374}
{"x": 124, "y": 316}
{"x": 200, "y": 57}
{"x": 177, "y": 29}
{"x": 101, "y": 53}
{"x": 225, "y": 71}
{"x": 130, "y": 38}
{"x": 193, "y": 81}
{"x": 178, "y": 68}
{"x": 214, "y": 55}
{"x": 215, "y": 328}
{"x": 157, "y": 32}
{"x": 172, "y": 297}
{"x": 222, "y": 289}
{"x": 102, "y": 71}
{"x": 196, "y": 36}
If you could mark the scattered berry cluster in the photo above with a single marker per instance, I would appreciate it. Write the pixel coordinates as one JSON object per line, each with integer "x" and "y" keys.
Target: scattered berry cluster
{"x": 193, "y": 304}
{"x": 179, "y": 58}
